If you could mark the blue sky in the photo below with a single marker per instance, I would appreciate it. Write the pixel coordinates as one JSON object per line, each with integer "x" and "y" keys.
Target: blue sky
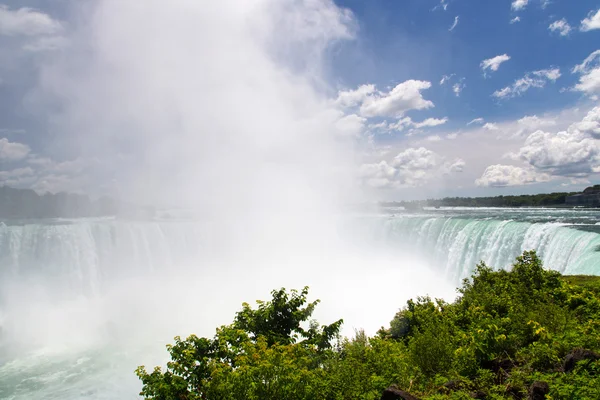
{"x": 400, "y": 40}
{"x": 404, "y": 79}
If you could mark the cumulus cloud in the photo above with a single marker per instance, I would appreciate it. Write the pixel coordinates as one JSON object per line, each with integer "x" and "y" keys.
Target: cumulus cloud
{"x": 591, "y": 22}
{"x": 494, "y": 63}
{"x": 515, "y": 20}
{"x": 490, "y": 126}
{"x": 574, "y": 152}
{"x": 519, "y": 4}
{"x": 351, "y": 98}
{"x": 589, "y": 70}
{"x": 410, "y": 168}
{"x": 531, "y": 123}
{"x": 476, "y": 121}
{"x": 535, "y": 79}
{"x": 561, "y": 26}
{"x": 509, "y": 175}
{"x": 414, "y": 159}
{"x": 26, "y": 22}
{"x": 12, "y": 151}
{"x": 402, "y": 98}
{"x": 378, "y": 175}
{"x": 589, "y": 125}
{"x": 454, "y": 24}
{"x": 562, "y": 153}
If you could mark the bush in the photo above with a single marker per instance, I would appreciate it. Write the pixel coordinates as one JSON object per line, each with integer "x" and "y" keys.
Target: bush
{"x": 505, "y": 331}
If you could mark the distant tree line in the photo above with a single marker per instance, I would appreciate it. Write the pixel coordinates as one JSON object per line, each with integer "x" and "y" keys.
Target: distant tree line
{"x": 532, "y": 200}
{"x": 26, "y": 203}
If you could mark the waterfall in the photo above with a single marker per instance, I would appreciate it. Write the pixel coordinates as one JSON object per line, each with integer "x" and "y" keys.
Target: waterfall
{"x": 82, "y": 257}
{"x": 457, "y": 244}
{"x": 84, "y": 301}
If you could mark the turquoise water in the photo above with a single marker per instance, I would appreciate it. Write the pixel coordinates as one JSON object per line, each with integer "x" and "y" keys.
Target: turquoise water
{"x": 83, "y": 302}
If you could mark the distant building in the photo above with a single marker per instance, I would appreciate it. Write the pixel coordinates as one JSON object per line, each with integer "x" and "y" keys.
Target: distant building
{"x": 589, "y": 198}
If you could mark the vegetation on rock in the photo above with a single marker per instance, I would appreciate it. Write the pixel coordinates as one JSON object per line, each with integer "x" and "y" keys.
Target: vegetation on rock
{"x": 524, "y": 333}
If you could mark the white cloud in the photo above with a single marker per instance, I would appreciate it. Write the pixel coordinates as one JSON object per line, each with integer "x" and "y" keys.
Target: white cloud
{"x": 589, "y": 69}
{"x": 509, "y": 175}
{"x": 590, "y": 125}
{"x": 561, "y": 26}
{"x": 457, "y": 166}
{"x": 494, "y": 63}
{"x": 26, "y": 22}
{"x": 16, "y": 173}
{"x": 12, "y": 151}
{"x": 407, "y": 122}
{"x": 443, "y": 5}
{"x": 515, "y": 20}
{"x": 411, "y": 167}
{"x": 562, "y": 153}
{"x": 351, "y": 98}
{"x": 591, "y": 22}
{"x": 519, "y": 4}
{"x": 533, "y": 122}
{"x": 404, "y": 97}
{"x": 433, "y": 138}
{"x": 446, "y": 78}
{"x": 571, "y": 152}
{"x": 458, "y": 87}
{"x": 588, "y": 64}
{"x": 452, "y": 135}
{"x": 476, "y": 121}
{"x": 415, "y": 159}
{"x": 454, "y": 24}
{"x": 351, "y": 125}
{"x": 430, "y": 122}
{"x": 536, "y": 79}
{"x": 491, "y": 126}
{"x": 378, "y": 175}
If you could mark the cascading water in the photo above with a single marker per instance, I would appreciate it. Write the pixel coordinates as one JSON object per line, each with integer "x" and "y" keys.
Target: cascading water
{"x": 457, "y": 244}
{"x": 85, "y": 301}
{"x": 82, "y": 256}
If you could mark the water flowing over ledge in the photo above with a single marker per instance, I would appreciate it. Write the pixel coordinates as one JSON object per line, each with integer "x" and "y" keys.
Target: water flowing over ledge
{"x": 83, "y": 256}
{"x": 457, "y": 244}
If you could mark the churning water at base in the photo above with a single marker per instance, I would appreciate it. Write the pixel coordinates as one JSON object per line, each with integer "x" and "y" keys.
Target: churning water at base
{"x": 83, "y": 302}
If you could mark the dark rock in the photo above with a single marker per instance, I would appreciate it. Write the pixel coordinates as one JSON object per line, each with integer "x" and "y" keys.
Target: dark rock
{"x": 538, "y": 390}
{"x": 577, "y": 355}
{"x": 453, "y": 385}
{"x": 394, "y": 393}
{"x": 499, "y": 365}
{"x": 515, "y": 392}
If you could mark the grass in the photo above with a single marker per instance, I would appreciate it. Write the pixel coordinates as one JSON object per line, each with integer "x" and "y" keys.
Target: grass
{"x": 588, "y": 281}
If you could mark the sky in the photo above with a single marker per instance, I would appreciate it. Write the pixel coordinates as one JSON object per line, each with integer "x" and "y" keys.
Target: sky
{"x": 440, "y": 98}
